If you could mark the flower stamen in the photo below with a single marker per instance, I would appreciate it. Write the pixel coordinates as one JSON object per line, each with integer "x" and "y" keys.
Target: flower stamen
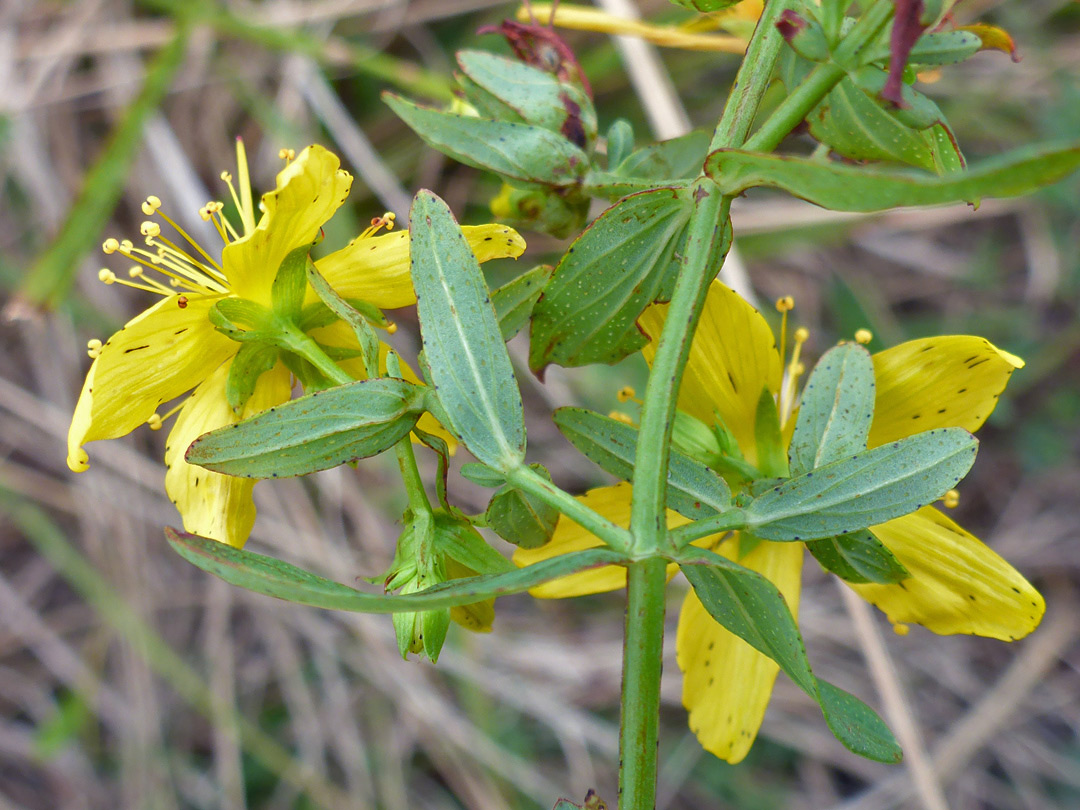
{"x": 951, "y": 499}
{"x": 863, "y": 336}
{"x": 93, "y": 348}
{"x": 247, "y": 209}
{"x": 620, "y": 416}
{"x": 795, "y": 369}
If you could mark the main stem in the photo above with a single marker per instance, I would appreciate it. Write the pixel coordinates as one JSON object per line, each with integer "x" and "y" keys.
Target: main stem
{"x": 708, "y": 238}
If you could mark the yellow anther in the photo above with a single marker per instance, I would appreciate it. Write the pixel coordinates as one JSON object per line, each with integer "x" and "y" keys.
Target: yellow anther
{"x": 802, "y": 334}
{"x": 626, "y": 393}
{"x": 951, "y": 499}
{"x": 863, "y": 336}
{"x": 392, "y": 328}
{"x": 204, "y": 215}
{"x": 154, "y": 421}
{"x": 106, "y": 276}
{"x": 226, "y": 177}
{"x": 798, "y": 369}
{"x": 151, "y": 205}
{"x": 901, "y": 629}
{"x": 110, "y": 246}
{"x": 126, "y": 245}
{"x": 785, "y": 304}
{"x": 619, "y": 416}
{"x": 286, "y": 154}
{"x": 929, "y": 76}
{"x": 135, "y": 272}
{"x": 150, "y": 229}
{"x": 93, "y": 347}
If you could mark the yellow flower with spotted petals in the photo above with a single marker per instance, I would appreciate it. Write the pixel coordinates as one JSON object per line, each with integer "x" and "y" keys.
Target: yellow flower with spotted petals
{"x": 957, "y": 584}
{"x": 173, "y": 347}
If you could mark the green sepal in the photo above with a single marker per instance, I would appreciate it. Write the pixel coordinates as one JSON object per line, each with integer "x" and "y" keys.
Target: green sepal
{"x": 858, "y": 557}
{"x": 315, "y": 432}
{"x": 541, "y": 209}
{"x": 463, "y": 348}
{"x": 805, "y": 36}
{"x": 248, "y": 364}
{"x": 442, "y": 456}
{"x": 290, "y": 284}
{"x": 514, "y": 301}
{"x": 871, "y": 487}
{"x": 459, "y": 541}
{"x": 521, "y": 518}
{"x": 693, "y": 437}
{"x": 624, "y": 261}
{"x": 482, "y": 475}
{"x": 521, "y": 152}
{"x": 750, "y": 606}
{"x": 357, "y": 321}
{"x": 693, "y": 490}
{"x": 772, "y": 460}
{"x": 242, "y": 320}
{"x": 849, "y": 188}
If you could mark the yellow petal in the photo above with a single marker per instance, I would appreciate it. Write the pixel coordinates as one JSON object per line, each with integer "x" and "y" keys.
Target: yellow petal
{"x": 154, "y": 358}
{"x": 309, "y": 190}
{"x": 376, "y": 269}
{"x": 214, "y": 505}
{"x": 614, "y": 504}
{"x": 949, "y": 381}
{"x": 732, "y": 358}
{"x": 957, "y": 584}
{"x": 726, "y": 682}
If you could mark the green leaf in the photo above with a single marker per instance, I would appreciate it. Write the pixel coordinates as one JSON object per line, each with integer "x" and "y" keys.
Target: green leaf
{"x": 482, "y": 475}
{"x": 866, "y": 489}
{"x": 520, "y": 518}
{"x": 751, "y": 607}
{"x": 937, "y": 48}
{"x": 858, "y": 557}
{"x": 314, "y": 432}
{"x": 247, "y": 366}
{"x": 463, "y": 347}
{"x": 835, "y": 411}
{"x": 850, "y": 188}
{"x": 535, "y": 96}
{"x": 772, "y": 460}
{"x": 520, "y": 152}
{"x": 705, "y": 6}
{"x": 514, "y": 301}
{"x": 272, "y": 577}
{"x": 626, "y": 259}
{"x": 620, "y": 142}
{"x": 674, "y": 159}
{"x": 693, "y": 491}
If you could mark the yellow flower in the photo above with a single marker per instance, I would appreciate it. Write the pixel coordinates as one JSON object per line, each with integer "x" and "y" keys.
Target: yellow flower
{"x": 173, "y": 347}
{"x": 957, "y": 584}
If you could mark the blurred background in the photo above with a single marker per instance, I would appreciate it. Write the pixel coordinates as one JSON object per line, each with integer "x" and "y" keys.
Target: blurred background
{"x": 130, "y": 679}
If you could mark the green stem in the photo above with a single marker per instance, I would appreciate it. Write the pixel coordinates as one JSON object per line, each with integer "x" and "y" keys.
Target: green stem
{"x": 302, "y": 345}
{"x": 729, "y": 521}
{"x": 642, "y": 663}
{"x": 532, "y": 483}
{"x": 410, "y": 474}
{"x": 708, "y": 239}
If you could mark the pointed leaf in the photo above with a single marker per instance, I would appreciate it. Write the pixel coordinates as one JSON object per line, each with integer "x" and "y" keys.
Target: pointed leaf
{"x": 694, "y": 490}
{"x": 864, "y": 490}
{"x": 463, "y": 347}
{"x": 515, "y": 151}
{"x": 314, "y": 432}
{"x": 752, "y": 608}
{"x": 520, "y": 518}
{"x": 835, "y": 411}
{"x": 851, "y": 188}
{"x": 858, "y": 557}
{"x": 624, "y": 261}
{"x": 272, "y": 577}
{"x": 514, "y": 301}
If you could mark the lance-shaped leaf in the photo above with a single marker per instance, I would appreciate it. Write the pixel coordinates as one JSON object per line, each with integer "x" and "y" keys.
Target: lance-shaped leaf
{"x": 515, "y": 151}
{"x": 866, "y": 489}
{"x": 835, "y": 411}
{"x": 514, "y": 301}
{"x": 693, "y": 489}
{"x": 314, "y": 432}
{"x": 520, "y": 518}
{"x": 858, "y": 557}
{"x": 657, "y": 164}
{"x": 272, "y": 577}
{"x": 463, "y": 347}
{"x": 752, "y": 608}
{"x": 850, "y": 188}
{"x": 624, "y": 261}
{"x": 533, "y": 95}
